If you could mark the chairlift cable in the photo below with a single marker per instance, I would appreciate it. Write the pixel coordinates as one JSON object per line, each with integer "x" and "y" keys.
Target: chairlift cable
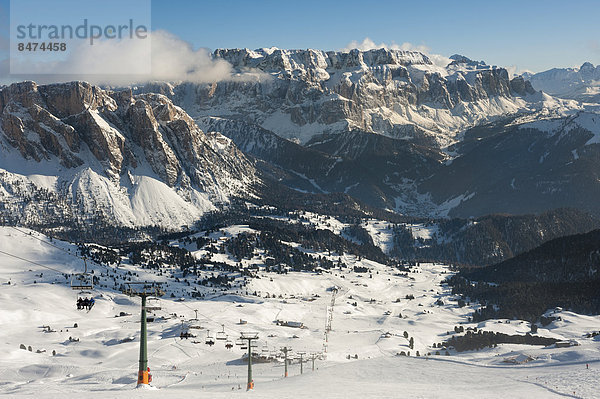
{"x": 57, "y": 247}
{"x": 43, "y": 241}
{"x": 34, "y": 263}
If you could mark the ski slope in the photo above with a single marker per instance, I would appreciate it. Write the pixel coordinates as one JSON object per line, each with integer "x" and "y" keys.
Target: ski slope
{"x": 103, "y": 362}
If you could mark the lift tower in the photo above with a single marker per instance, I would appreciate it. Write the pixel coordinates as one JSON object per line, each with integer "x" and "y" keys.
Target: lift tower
{"x": 301, "y": 354}
{"x": 285, "y": 351}
{"x": 334, "y": 291}
{"x": 249, "y": 336}
{"x": 143, "y": 290}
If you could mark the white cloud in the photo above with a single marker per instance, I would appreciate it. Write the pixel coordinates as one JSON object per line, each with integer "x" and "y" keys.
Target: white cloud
{"x": 125, "y": 62}
{"x": 368, "y": 44}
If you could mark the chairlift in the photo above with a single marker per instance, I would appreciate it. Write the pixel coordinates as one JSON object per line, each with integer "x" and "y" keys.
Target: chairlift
{"x": 153, "y": 304}
{"x": 195, "y": 324}
{"x": 265, "y": 349}
{"x": 85, "y": 300}
{"x": 82, "y": 281}
{"x": 210, "y": 341}
{"x": 185, "y": 332}
{"x": 221, "y": 336}
{"x": 228, "y": 344}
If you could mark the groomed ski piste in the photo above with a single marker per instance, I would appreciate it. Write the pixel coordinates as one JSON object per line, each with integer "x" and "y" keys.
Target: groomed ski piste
{"x": 99, "y": 357}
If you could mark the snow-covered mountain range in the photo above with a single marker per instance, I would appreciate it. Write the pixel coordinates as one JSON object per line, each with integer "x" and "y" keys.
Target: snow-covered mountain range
{"x": 387, "y": 127}
{"x": 582, "y": 84}
{"x": 401, "y": 94}
{"x": 76, "y": 153}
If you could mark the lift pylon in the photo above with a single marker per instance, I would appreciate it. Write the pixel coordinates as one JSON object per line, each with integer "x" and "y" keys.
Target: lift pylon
{"x": 249, "y": 336}
{"x": 143, "y": 290}
{"x": 285, "y": 351}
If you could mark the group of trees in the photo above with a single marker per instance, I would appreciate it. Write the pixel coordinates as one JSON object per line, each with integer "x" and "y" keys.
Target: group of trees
{"x": 153, "y": 255}
{"x": 489, "y": 339}
{"x": 559, "y": 273}
{"x": 488, "y": 239}
{"x": 278, "y": 255}
{"x": 318, "y": 239}
{"x": 527, "y": 300}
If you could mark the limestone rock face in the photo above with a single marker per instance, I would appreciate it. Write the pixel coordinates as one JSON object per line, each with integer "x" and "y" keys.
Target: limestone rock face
{"x": 298, "y": 94}
{"x": 112, "y": 142}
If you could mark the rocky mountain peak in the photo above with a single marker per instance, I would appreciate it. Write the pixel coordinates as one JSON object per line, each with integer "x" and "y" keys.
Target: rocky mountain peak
{"x": 116, "y": 136}
{"x": 274, "y": 59}
{"x": 586, "y": 65}
{"x": 303, "y": 93}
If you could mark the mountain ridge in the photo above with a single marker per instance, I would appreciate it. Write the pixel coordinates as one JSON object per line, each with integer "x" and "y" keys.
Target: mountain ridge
{"x": 132, "y": 160}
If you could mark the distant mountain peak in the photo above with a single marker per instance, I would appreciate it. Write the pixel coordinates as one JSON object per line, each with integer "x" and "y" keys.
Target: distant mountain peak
{"x": 587, "y": 65}
{"x": 458, "y": 59}
{"x": 581, "y": 84}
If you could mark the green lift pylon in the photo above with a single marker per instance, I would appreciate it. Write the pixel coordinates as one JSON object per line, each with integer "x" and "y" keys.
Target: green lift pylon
{"x": 285, "y": 351}
{"x": 146, "y": 290}
{"x": 249, "y": 336}
{"x": 301, "y": 354}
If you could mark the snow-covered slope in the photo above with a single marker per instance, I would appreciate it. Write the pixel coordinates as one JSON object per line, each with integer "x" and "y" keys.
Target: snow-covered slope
{"x": 98, "y": 357}
{"x": 74, "y": 153}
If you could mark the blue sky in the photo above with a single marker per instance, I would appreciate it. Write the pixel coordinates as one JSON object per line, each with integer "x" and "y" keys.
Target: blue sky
{"x": 531, "y": 35}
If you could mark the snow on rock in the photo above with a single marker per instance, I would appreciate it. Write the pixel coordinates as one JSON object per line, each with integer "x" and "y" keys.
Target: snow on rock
{"x": 304, "y": 93}
{"x": 582, "y": 84}
{"x": 128, "y": 160}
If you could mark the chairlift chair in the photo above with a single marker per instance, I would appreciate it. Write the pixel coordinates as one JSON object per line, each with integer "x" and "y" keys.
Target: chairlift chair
{"x": 221, "y": 336}
{"x": 185, "y": 332}
{"x": 85, "y": 300}
{"x": 195, "y": 324}
{"x": 82, "y": 281}
{"x": 265, "y": 349}
{"x": 210, "y": 341}
{"x": 228, "y": 344}
{"x": 153, "y": 304}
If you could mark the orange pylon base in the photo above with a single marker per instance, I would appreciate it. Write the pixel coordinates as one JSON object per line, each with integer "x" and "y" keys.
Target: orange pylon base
{"x": 250, "y": 385}
{"x": 143, "y": 377}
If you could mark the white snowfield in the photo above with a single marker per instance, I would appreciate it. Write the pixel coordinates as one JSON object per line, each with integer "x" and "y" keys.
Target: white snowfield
{"x": 100, "y": 360}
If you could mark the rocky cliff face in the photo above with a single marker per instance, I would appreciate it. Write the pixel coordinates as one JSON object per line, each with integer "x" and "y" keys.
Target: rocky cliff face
{"x": 401, "y": 94}
{"x": 115, "y": 153}
{"x": 311, "y": 115}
